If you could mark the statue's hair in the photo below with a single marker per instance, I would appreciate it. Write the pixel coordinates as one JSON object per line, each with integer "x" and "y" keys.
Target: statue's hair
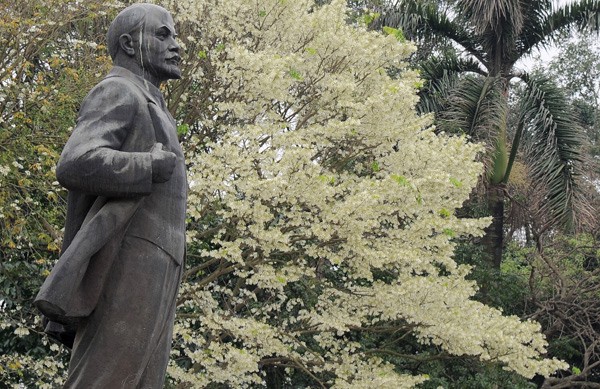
{"x": 128, "y": 21}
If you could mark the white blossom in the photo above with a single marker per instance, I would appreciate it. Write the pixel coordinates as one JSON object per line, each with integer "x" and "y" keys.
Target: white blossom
{"x": 321, "y": 178}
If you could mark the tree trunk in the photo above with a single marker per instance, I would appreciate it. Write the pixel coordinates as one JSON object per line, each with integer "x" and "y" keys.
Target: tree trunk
{"x": 494, "y": 235}
{"x": 273, "y": 377}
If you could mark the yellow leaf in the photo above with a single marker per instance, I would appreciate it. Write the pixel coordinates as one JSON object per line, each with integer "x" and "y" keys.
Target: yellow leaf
{"x": 15, "y": 365}
{"x": 52, "y": 246}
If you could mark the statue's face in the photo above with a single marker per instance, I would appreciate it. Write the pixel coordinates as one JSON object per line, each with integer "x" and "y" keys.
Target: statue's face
{"x": 159, "y": 50}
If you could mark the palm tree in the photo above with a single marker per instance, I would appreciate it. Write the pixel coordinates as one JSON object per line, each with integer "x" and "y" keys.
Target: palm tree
{"x": 468, "y": 86}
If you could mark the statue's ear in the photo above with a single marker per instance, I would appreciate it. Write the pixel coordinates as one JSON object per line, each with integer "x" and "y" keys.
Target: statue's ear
{"x": 126, "y": 44}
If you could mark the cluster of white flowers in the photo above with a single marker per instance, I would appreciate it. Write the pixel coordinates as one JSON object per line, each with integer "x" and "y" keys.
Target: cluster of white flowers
{"x": 325, "y": 205}
{"x": 4, "y": 170}
{"x": 49, "y": 371}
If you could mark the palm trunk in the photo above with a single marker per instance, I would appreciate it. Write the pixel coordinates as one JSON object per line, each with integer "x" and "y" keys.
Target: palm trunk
{"x": 494, "y": 234}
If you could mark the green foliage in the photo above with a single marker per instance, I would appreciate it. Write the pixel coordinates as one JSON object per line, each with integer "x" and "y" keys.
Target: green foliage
{"x": 577, "y": 70}
{"x": 557, "y": 286}
{"x": 505, "y": 288}
{"x": 401, "y": 180}
{"x": 468, "y": 83}
{"x": 459, "y": 374}
{"x": 49, "y": 60}
{"x": 183, "y": 130}
{"x": 295, "y": 75}
{"x": 395, "y": 32}
{"x": 370, "y": 17}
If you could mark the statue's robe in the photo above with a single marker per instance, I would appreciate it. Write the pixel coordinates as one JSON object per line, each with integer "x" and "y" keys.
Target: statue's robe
{"x": 122, "y": 259}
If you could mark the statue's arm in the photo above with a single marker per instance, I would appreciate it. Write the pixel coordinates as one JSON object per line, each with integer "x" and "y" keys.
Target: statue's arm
{"x": 92, "y": 160}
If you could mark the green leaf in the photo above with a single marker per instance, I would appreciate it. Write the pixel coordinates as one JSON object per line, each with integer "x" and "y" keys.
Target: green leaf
{"x": 401, "y": 180}
{"x": 449, "y": 232}
{"x": 202, "y": 54}
{"x": 295, "y": 75}
{"x": 326, "y": 179}
{"x": 444, "y": 213}
{"x": 370, "y": 17}
{"x": 395, "y": 33}
{"x": 183, "y": 129}
{"x": 456, "y": 182}
{"x": 419, "y": 199}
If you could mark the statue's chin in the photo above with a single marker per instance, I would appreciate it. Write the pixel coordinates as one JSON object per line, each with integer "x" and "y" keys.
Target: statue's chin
{"x": 173, "y": 73}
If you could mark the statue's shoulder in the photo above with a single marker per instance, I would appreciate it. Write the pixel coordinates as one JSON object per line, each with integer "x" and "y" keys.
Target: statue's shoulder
{"x": 115, "y": 82}
{"x": 119, "y": 84}
{"x": 114, "y": 90}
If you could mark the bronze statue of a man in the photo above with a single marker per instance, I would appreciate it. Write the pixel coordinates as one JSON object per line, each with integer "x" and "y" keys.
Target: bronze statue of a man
{"x": 116, "y": 281}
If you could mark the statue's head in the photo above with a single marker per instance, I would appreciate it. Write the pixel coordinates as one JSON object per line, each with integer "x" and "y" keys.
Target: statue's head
{"x": 142, "y": 39}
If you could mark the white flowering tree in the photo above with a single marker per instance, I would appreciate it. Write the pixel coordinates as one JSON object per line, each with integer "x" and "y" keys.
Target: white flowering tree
{"x": 322, "y": 208}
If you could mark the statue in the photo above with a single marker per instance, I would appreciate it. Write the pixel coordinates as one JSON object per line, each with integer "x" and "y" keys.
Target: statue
{"x": 113, "y": 291}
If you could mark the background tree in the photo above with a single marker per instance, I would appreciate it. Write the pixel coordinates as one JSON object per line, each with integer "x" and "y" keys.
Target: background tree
{"x": 563, "y": 269}
{"x": 49, "y": 59}
{"x": 576, "y": 68}
{"x": 468, "y": 86}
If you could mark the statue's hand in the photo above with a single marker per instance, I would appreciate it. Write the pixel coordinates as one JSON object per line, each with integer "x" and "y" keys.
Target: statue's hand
{"x": 163, "y": 163}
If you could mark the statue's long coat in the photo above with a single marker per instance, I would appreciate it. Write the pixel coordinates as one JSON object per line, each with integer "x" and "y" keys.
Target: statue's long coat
{"x": 123, "y": 250}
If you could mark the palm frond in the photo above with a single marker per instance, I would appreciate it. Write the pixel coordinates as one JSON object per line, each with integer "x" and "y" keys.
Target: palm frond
{"x": 494, "y": 15}
{"x": 423, "y": 19}
{"x": 545, "y": 25}
{"x": 553, "y": 142}
{"x": 475, "y": 107}
{"x": 440, "y": 74}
